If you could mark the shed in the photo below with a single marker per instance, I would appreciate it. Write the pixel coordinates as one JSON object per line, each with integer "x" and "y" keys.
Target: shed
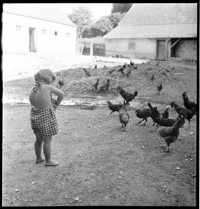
{"x": 156, "y": 31}
{"x": 37, "y": 28}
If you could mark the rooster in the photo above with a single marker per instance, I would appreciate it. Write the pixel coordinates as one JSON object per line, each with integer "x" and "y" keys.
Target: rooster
{"x": 189, "y": 104}
{"x": 114, "y": 107}
{"x": 128, "y": 97}
{"x": 187, "y": 114}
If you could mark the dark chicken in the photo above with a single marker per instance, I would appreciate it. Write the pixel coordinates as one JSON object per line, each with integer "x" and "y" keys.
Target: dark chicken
{"x": 187, "y": 114}
{"x": 165, "y": 114}
{"x": 121, "y": 70}
{"x": 189, "y": 104}
{"x": 95, "y": 86}
{"x": 128, "y": 97}
{"x": 105, "y": 87}
{"x": 86, "y": 72}
{"x": 61, "y": 82}
{"x": 144, "y": 114}
{"x": 170, "y": 134}
{"x": 114, "y": 107}
{"x": 159, "y": 87}
{"x": 157, "y": 117}
{"x": 152, "y": 78}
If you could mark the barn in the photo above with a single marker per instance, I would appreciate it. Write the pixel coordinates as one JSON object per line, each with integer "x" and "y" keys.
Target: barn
{"x": 156, "y": 31}
{"x": 37, "y": 28}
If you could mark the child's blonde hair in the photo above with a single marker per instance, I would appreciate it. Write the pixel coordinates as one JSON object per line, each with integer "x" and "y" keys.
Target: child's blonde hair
{"x": 45, "y": 75}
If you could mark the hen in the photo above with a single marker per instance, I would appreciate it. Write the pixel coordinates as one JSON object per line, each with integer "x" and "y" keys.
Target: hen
{"x": 170, "y": 134}
{"x": 86, "y": 72}
{"x": 189, "y": 104}
{"x": 124, "y": 116}
{"x": 114, "y": 107}
{"x": 144, "y": 114}
{"x": 165, "y": 114}
{"x": 187, "y": 114}
{"x": 159, "y": 87}
{"x": 105, "y": 87}
{"x": 128, "y": 97}
{"x": 157, "y": 117}
{"x": 95, "y": 86}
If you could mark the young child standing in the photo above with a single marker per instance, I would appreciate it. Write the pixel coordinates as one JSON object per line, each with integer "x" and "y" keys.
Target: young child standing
{"x": 42, "y": 116}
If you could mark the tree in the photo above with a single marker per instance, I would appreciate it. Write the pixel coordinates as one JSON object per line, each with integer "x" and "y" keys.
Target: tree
{"x": 82, "y": 17}
{"x": 121, "y": 8}
{"x": 115, "y": 18}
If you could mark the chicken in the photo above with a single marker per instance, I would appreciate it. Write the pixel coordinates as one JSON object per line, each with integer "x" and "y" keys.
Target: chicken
{"x": 128, "y": 72}
{"x": 61, "y": 82}
{"x": 189, "y": 104}
{"x": 86, "y": 72}
{"x": 165, "y": 114}
{"x": 170, "y": 134}
{"x": 121, "y": 70}
{"x": 124, "y": 116}
{"x": 187, "y": 114}
{"x": 152, "y": 78}
{"x": 132, "y": 63}
{"x": 95, "y": 86}
{"x": 159, "y": 87}
{"x": 114, "y": 107}
{"x": 95, "y": 67}
{"x": 157, "y": 117}
{"x": 128, "y": 97}
{"x": 105, "y": 87}
{"x": 142, "y": 113}
{"x": 111, "y": 71}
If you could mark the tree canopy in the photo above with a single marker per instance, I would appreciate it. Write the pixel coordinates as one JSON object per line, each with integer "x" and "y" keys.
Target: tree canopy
{"x": 81, "y": 17}
{"x": 121, "y": 8}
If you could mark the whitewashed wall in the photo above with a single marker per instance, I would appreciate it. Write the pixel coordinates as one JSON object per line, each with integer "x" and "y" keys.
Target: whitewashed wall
{"x": 133, "y": 48}
{"x": 47, "y": 44}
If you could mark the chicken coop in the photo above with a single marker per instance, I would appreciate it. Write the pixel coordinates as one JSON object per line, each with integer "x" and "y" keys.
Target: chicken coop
{"x": 156, "y": 31}
{"x": 37, "y": 28}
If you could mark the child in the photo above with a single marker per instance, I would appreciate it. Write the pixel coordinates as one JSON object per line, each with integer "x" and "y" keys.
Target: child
{"x": 43, "y": 119}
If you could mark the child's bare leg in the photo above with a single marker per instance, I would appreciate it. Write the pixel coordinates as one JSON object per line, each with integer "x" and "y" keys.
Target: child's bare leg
{"x": 38, "y": 147}
{"x": 47, "y": 151}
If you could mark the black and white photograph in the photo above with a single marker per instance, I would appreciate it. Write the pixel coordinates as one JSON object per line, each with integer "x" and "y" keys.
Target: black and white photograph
{"x": 100, "y": 104}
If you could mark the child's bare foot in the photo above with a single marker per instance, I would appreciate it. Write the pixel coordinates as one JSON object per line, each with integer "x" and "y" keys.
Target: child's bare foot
{"x": 51, "y": 163}
{"x": 40, "y": 160}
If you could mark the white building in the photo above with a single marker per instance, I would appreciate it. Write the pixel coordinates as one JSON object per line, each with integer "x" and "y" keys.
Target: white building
{"x": 37, "y": 28}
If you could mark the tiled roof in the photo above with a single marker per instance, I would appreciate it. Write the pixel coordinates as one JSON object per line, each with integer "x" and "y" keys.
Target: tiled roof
{"x": 157, "y": 21}
{"x": 38, "y": 11}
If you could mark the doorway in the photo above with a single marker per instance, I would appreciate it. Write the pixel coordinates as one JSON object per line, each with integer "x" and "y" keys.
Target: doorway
{"x": 161, "y": 49}
{"x": 32, "y": 40}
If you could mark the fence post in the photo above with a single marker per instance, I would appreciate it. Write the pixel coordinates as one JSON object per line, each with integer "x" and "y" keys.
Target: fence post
{"x": 91, "y": 49}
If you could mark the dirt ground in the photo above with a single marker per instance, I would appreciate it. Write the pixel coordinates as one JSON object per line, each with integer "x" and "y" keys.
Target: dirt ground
{"x": 100, "y": 164}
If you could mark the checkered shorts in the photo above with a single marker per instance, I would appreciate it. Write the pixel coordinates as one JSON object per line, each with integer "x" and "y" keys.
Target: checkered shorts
{"x": 44, "y": 121}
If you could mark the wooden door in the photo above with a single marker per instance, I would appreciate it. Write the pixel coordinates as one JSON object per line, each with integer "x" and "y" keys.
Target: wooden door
{"x": 161, "y": 49}
{"x": 32, "y": 42}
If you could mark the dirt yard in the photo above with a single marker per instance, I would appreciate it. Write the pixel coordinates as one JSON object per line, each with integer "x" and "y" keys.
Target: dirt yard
{"x": 100, "y": 164}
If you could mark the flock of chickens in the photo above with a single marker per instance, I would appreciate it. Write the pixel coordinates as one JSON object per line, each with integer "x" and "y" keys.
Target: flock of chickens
{"x": 168, "y": 127}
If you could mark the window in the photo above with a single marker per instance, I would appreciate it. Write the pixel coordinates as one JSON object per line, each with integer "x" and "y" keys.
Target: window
{"x": 56, "y": 33}
{"x": 18, "y": 27}
{"x": 44, "y": 31}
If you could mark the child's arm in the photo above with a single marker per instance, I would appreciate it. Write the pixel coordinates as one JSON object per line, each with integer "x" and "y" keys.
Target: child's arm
{"x": 59, "y": 93}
